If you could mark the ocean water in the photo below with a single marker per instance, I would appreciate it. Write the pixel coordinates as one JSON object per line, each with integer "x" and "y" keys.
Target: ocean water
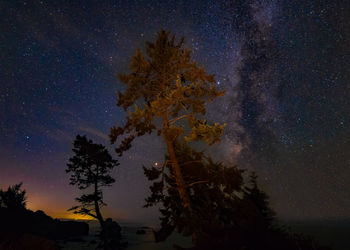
{"x": 335, "y": 234}
{"x": 145, "y": 241}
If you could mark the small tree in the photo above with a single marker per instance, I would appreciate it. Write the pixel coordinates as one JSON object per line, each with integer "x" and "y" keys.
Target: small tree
{"x": 169, "y": 88}
{"x": 13, "y": 197}
{"x": 90, "y": 168}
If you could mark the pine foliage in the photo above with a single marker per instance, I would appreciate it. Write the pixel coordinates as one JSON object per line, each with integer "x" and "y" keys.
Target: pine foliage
{"x": 14, "y": 197}
{"x": 214, "y": 192}
{"x": 90, "y": 169}
{"x": 166, "y": 84}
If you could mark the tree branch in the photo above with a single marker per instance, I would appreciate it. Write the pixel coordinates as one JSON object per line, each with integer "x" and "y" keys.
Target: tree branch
{"x": 84, "y": 213}
{"x": 197, "y": 182}
{"x": 189, "y": 162}
{"x": 172, "y": 121}
{"x": 90, "y": 214}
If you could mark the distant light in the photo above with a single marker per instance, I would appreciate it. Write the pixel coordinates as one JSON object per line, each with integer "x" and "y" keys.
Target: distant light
{"x": 27, "y": 137}
{"x": 218, "y": 82}
{"x": 156, "y": 164}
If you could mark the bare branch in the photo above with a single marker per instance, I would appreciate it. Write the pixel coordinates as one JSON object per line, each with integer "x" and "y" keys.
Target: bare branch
{"x": 189, "y": 162}
{"x": 197, "y": 182}
{"x": 172, "y": 121}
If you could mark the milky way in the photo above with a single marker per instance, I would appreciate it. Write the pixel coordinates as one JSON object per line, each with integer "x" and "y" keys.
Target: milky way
{"x": 284, "y": 66}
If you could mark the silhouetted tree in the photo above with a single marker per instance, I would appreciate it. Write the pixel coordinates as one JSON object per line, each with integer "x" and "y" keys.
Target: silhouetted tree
{"x": 21, "y": 228}
{"x": 170, "y": 89}
{"x": 90, "y": 168}
{"x": 229, "y": 211}
{"x": 261, "y": 200}
{"x": 14, "y": 197}
{"x": 214, "y": 191}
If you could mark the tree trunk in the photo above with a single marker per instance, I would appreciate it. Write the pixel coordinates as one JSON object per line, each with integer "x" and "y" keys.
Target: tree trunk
{"x": 180, "y": 182}
{"x": 102, "y": 223}
{"x": 97, "y": 207}
{"x": 99, "y": 215}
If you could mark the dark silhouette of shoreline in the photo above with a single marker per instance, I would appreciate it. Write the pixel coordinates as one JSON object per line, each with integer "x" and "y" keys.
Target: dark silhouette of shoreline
{"x": 25, "y": 229}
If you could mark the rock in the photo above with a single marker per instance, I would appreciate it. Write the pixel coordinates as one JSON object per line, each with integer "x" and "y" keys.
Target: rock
{"x": 163, "y": 233}
{"x": 113, "y": 229}
{"x": 113, "y": 235}
{"x": 40, "y": 224}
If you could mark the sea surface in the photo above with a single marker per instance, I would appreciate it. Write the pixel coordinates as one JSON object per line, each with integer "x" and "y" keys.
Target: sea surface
{"x": 135, "y": 241}
{"x": 333, "y": 233}
{"x": 146, "y": 241}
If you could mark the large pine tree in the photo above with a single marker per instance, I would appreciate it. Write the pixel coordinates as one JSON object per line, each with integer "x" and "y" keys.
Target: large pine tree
{"x": 169, "y": 92}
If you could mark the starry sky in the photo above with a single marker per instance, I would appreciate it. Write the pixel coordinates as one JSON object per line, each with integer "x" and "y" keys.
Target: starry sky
{"x": 58, "y": 78}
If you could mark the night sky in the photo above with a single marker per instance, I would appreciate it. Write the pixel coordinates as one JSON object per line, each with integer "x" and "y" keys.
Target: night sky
{"x": 59, "y": 62}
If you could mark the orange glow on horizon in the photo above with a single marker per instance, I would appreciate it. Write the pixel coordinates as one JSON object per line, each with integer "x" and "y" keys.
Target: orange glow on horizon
{"x": 58, "y": 208}
{"x": 71, "y": 216}
{"x": 56, "y": 214}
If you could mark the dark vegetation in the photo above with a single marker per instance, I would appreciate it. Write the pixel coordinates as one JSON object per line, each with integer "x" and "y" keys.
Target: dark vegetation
{"x": 229, "y": 211}
{"x": 21, "y": 228}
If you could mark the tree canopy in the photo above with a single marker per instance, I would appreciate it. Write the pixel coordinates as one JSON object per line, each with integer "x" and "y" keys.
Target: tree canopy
{"x": 14, "y": 197}
{"x": 166, "y": 84}
{"x": 90, "y": 168}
